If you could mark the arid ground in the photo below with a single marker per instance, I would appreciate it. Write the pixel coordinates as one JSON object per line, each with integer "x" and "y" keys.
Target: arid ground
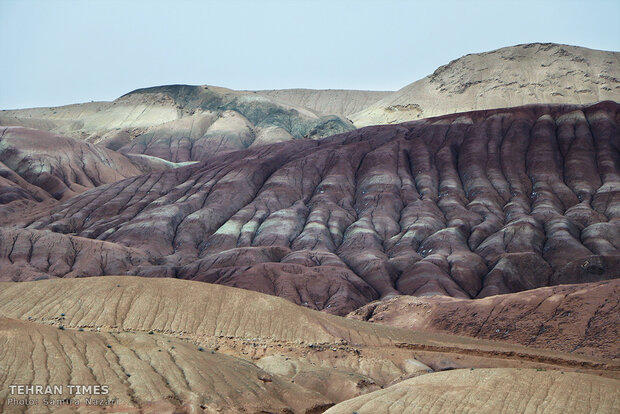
{"x": 453, "y": 246}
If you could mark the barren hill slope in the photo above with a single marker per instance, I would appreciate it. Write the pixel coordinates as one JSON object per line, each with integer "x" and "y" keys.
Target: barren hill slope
{"x": 581, "y": 318}
{"x": 517, "y": 75}
{"x": 468, "y": 205}
{"x": 38, "y": 169}
{"x": 491, "y": 391}
{"x": 327, "y": 101}
{"x": 239, "y": 319}
{"x": 39, "y": 165}
{"x": 153, "y": 372}
{"x": 187, "y": 344}
{"x": 181, "y": 122}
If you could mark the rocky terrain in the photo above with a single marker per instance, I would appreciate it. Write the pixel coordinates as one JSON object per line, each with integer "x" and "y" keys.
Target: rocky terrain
{"x": 581, "y": 318}
{"x": 468, "y": 206}
{"x": 471, "y": 252}
{"x": 517, "y": 75}
{"x": 169, "y": 345}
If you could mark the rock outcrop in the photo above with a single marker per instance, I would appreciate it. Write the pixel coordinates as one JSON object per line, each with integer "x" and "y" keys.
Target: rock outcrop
{"x": 517, "y": 75}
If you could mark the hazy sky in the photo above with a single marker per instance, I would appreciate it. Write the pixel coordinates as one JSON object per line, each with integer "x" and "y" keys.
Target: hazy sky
{"x": 61, "y": 52}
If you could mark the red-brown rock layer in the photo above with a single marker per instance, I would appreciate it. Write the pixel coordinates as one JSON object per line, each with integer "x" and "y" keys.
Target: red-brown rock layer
{"x": 39, "y": 165}
{"x": 580, "y": 318}
{"x": 466, "y": 205}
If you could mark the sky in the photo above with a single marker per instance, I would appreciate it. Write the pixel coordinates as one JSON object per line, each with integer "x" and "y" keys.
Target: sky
{"x": 57, "y": 52}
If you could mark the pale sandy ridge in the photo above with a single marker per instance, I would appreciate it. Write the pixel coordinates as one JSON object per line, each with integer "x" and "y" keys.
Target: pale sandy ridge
{"x": 506, "y": 77}
{"x": 153, "y": 372}
{"x": 328, "y": 101}
{"x": 491, "y": 391}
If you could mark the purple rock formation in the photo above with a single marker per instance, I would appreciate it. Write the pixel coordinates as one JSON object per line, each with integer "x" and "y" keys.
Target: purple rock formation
{"x": 466, "y": 205}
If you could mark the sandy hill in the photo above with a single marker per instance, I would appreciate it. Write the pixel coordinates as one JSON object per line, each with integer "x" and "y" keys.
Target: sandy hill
{"x": 167, "y": 344}
{"x": 490, "y": 391}
{"x": 181, "y": 122}
{"x": 152, "y": 372}
{"x": 580, "y": 318}
{"x": 516, "y": 75}
{"x": 327, "y": 101}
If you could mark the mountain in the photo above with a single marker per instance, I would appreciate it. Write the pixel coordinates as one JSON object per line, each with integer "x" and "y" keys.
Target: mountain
{"x": 471, "y": 252}
{"x": 468, "y": 205}
{"x": 517, "y": 75}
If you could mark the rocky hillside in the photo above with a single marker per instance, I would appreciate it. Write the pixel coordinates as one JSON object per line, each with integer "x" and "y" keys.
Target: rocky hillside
{"x": 518, "y": 75}
{"x": 467, "y": 205}
{"x": 581, "y": 318}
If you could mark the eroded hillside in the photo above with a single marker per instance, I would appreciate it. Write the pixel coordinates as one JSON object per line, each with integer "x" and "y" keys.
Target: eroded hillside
{"x": 468, "y": 205}
{"x": 181, "y": 122}
{"x": 168, "y": 345}
{"x": 580, "y": 318}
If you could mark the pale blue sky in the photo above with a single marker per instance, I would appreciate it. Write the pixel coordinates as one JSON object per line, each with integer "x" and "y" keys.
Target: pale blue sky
{"x": 61, "y": 52}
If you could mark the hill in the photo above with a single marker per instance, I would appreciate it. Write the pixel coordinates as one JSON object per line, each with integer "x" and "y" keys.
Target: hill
{"x": 502, "y": 390}
{"x": 327, "y": 101}
{"x": 180, "y": 122}
{"x": 581, "y": 318}
{"x": 517, "y": 75}
{"x": 166, "y": 344}
{"x": 468, "y": 205}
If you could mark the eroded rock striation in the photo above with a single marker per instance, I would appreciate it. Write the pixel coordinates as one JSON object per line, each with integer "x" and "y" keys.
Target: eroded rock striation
{"x": 467, "y": 205}
{"x": 170, "y": 345}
